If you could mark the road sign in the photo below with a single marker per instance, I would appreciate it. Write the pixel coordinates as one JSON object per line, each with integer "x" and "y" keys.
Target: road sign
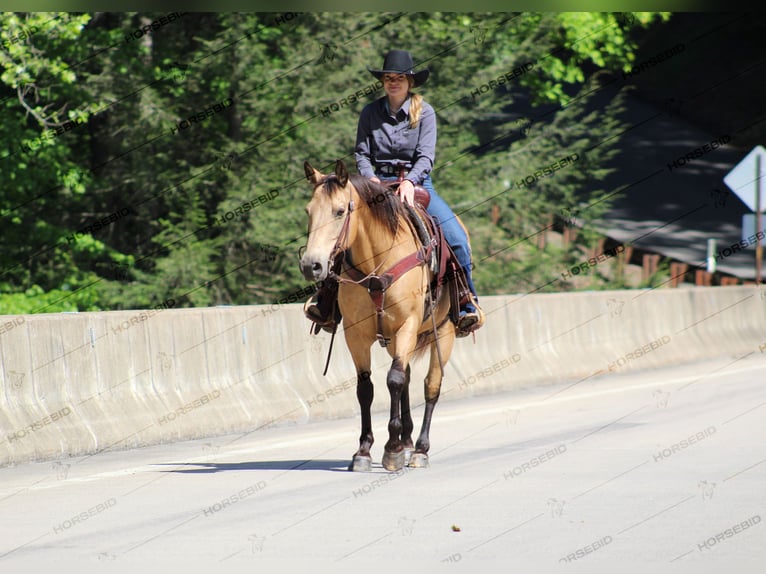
{"x": 742, "y": 179}
{"x": 749, "y": 224}
{"x": 748, "y": 188}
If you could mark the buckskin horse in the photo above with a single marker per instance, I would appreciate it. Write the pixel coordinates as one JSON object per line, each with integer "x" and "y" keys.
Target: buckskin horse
{"x": 359, "y": 233}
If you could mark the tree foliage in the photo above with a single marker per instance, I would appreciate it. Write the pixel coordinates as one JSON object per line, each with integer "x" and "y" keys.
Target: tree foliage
{"x": 132, "y": 143}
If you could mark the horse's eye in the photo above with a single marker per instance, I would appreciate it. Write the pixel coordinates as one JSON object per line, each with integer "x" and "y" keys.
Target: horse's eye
{"x": 340, "y": 212}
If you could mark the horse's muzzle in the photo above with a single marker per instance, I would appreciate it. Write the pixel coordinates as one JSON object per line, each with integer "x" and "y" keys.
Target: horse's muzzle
{"x": 313, "y": 269}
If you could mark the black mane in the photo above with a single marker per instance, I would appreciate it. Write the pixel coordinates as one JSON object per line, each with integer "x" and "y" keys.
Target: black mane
{"x": 384, "y": 204}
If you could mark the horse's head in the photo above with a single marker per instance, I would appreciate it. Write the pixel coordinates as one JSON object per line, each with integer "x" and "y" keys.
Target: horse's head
{"x": 327, "y": 211}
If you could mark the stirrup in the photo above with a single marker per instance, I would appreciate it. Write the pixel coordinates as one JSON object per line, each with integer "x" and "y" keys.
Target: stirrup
{"x": 312, "y": 313}
{"x": 468, "y": 322}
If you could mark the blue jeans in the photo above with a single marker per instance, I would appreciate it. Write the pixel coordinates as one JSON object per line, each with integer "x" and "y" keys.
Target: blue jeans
{"x": 453, "y": 231}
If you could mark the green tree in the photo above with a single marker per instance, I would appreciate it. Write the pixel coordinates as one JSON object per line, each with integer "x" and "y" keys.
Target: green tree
{"x": 172, "y": 164}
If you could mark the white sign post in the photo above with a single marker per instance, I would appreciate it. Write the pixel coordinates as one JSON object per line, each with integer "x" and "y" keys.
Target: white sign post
{"x": 745, "y": 180}
{"x": 750, "y": 230}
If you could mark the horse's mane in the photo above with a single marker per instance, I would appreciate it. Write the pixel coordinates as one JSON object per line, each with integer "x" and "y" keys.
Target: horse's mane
{"x": 385, "y": 206}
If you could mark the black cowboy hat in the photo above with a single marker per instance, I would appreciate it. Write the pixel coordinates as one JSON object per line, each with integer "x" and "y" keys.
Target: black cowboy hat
{"x": 400, "y": 62}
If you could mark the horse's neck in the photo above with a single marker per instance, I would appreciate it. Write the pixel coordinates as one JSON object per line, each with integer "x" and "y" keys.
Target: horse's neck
{"x": 374, "y": 248}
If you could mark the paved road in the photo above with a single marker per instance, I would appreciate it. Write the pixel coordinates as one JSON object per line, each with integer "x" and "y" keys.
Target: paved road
{"x": 659, "y": 467}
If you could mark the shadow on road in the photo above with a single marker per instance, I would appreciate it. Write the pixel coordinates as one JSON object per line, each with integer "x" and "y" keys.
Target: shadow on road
{"x": 210, "y": 467}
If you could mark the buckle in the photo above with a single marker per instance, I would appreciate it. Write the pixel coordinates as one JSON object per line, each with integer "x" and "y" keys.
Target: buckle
{"x": 375, "y": 284}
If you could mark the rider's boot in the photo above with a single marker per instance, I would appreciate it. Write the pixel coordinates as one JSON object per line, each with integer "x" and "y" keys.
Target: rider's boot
{"x": 322, "y": 308}
{"x": 471, "y": 316}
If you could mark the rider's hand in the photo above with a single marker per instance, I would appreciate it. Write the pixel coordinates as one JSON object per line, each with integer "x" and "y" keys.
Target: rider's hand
{"x": 406, "y": 192}
{"x": 374, "y": 179}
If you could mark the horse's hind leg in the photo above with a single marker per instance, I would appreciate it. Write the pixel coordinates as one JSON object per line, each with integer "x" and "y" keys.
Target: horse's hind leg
{"x": 433, "y": 383}
{"x": 407, "y": 424}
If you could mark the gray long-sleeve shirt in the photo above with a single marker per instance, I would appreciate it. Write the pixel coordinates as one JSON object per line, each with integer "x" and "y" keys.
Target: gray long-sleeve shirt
{"x": 383, "y": 139}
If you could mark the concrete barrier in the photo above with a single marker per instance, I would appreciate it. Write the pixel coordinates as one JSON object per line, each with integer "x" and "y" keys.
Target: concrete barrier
{"x": 85, "y": 383}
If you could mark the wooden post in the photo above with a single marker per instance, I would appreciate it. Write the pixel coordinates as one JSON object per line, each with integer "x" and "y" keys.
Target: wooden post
{"x": 543, "y": 235}
{"x": 650, "y": 264}
{"x": 703, "y": 278}
{"x": 495, "y": 214}
{"x": 677, "y": 273}
{"x": 623, "y": 260}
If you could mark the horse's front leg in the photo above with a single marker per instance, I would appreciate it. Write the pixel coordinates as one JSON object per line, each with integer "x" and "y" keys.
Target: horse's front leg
{"x": 362, "y": 460}
{"x": 360, "y": 353}
{"x": 396, "y": 381}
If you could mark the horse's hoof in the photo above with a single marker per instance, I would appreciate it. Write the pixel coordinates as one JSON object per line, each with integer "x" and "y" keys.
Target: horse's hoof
{"x": 407, "y": 454}
{"x": 360, "y": 464}
{"x": 393, "y": 460}
{"x": 418, "y": 460}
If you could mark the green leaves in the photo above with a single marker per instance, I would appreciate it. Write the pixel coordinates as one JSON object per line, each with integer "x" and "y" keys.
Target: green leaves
{"x": 181, "y": 121}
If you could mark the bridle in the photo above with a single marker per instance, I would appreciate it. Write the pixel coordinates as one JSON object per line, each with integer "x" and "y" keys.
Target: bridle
{"x": 375, "y": 283}
{"x": 341, "y": 252}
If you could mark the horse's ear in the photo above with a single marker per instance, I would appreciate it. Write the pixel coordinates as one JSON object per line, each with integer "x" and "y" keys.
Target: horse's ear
{"x": 341, "y": 172}
{"x": 311, "y": 174}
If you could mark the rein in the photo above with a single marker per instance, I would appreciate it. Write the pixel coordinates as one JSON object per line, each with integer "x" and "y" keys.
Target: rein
{"x": 376, "y": 283}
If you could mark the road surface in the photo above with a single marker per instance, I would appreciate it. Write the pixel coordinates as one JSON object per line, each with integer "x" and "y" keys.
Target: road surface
{"x": 660, "y": 467}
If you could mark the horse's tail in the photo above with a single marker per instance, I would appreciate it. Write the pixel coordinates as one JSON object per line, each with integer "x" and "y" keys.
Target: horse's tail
{"x": 421, "y": 345}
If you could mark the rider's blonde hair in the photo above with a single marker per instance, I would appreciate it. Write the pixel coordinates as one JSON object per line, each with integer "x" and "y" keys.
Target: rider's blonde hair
{"x": 416, "y": 104}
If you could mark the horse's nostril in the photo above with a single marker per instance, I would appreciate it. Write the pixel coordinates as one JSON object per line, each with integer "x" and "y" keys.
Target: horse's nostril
{"x": 317, "y": 266}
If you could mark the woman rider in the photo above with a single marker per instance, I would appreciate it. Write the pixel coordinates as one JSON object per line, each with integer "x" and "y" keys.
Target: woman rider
{"x": 400, "y": 129}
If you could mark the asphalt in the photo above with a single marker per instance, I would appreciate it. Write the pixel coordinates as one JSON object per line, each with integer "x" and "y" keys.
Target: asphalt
{"x": 663, "y": 467}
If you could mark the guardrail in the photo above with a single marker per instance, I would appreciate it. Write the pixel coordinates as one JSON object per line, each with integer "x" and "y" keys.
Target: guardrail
{"x": 85, "y": 383}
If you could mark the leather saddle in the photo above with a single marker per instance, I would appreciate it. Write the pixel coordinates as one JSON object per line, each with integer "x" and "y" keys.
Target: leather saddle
{"x": 444, "y": 263}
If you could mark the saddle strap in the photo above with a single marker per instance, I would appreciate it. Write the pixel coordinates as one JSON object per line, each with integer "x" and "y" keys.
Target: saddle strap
{"x": 377, "y": 285}
{"x": 443, "y": 262}
{"x": 460, "y": 293}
